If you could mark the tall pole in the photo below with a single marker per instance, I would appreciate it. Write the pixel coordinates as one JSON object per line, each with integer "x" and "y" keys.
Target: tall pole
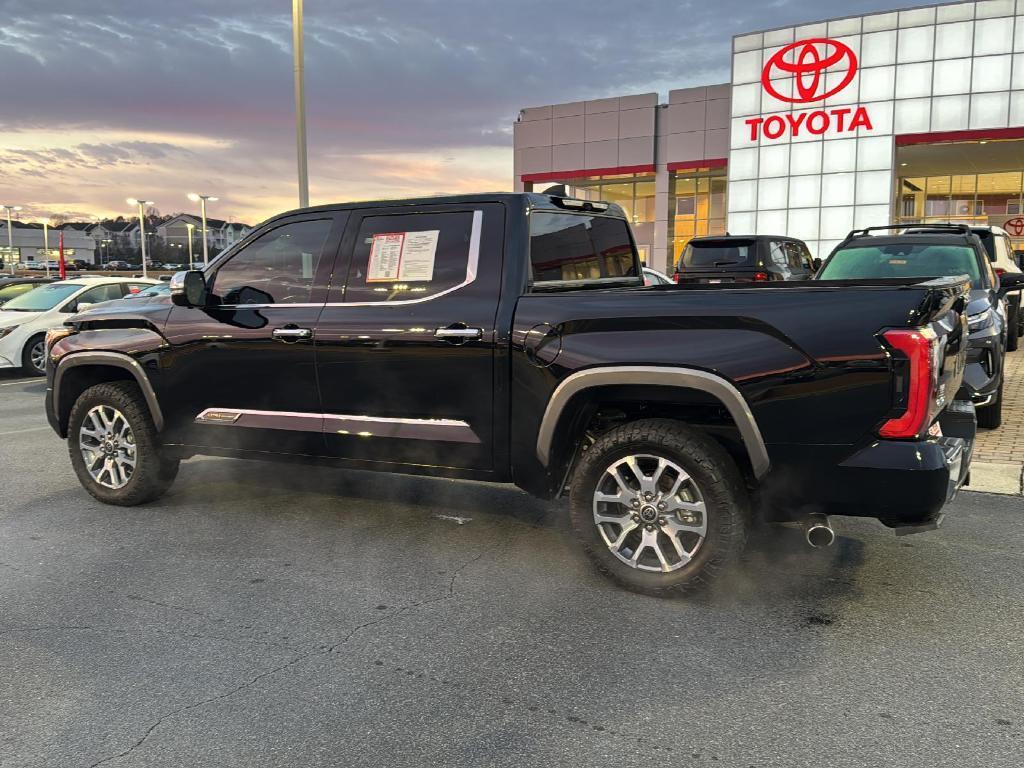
{"x": 300, "y": 103}
{"x": 142, "y": 227}
{"x": 46, "y": 245}
{"x": 190, "y": 228}
{"x": 10, "y": 234}
{"x": 206, "y": 246}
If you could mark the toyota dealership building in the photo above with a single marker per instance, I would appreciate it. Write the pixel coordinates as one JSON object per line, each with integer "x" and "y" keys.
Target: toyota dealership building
{"x": 903, "y": 116}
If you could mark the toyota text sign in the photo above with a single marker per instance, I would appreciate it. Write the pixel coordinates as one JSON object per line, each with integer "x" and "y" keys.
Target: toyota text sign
{"x": 808, "y": 64}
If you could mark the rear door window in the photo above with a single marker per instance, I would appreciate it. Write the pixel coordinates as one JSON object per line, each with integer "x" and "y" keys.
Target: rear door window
{"x": 403, "y": 257}
{"x": 570, "y": 247}
{"x": 718, "y": 254}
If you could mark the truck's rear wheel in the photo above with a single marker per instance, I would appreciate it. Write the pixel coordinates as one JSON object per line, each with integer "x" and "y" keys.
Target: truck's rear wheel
{"x": 114, "y": 446}
{"x": 659, "y": 507}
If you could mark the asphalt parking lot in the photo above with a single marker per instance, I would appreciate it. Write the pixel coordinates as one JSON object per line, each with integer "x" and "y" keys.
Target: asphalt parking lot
{"x": 294, "y": 616}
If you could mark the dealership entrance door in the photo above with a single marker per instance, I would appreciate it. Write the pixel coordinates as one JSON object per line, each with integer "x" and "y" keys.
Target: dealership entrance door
{"x": 978, "y": 182}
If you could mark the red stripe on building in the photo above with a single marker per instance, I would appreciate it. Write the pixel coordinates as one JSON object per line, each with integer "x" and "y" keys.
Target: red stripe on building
{"x": 689, "y": 165}
{"x": 566, "y": 175}
{"x": 993, "y": 134}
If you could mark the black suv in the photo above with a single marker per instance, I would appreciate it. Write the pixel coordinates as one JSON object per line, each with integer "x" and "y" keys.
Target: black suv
{"x": 941, "y": 251}
{"x": 744, "y": 259}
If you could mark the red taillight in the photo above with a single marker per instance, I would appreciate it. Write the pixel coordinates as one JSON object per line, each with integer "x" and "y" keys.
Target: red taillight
{"x": 760, "y": 276}
{"x": 918, "y": 346}
{"x": 676, "y": 276}
{"x": 1000, "y": 271}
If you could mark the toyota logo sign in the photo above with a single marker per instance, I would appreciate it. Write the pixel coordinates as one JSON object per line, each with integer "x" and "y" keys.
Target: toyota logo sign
{"x": 804, "y": 60}
{"x": 1014, "y": 226}
{"x": 807, "y": 64}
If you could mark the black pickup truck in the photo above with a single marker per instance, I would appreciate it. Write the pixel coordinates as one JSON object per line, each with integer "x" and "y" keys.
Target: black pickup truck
{"x": 509, "y": 338}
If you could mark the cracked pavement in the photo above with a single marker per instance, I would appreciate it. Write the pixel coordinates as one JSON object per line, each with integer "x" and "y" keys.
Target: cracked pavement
{"x": 295, "y": 616}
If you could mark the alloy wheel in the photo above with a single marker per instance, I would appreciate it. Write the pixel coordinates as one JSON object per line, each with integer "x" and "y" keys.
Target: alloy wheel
{"x": 37, "y": 356}
{"x": 108, "y": 446}
{"x": 650, "y": 513}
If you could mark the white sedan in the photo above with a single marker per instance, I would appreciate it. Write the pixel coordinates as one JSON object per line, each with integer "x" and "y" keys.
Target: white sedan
{"x": 24, "y": 320}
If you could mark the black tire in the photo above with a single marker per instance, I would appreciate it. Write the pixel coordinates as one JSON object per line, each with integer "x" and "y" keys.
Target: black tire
{"x": 153, "y": 473}
{"x": 727, "y": 513}
{"x": 33, "y": 347}
{"x": 991, "y": 416}
{"x": 1013, "y": 329}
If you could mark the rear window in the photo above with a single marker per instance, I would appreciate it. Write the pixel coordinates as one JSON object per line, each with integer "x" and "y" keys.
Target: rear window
{"x": 902, "y": 260}
{"x": 718, "y": 254}
{"x": 570, "y": 247}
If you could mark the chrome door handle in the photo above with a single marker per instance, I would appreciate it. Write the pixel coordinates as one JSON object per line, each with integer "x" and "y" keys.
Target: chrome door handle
{"x": 459, "y": 334}
{"x": 292, "y": 334}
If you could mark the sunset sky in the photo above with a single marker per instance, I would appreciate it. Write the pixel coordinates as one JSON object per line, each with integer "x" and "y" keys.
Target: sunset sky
{"x": 102, "y": 100}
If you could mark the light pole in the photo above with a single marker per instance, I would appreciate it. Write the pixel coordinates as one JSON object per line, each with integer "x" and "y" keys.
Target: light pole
{"x": 191, "y": 233}
{"x": 300, "y": 103}
{"x": 105, "y": 258}
{"x": 10, "y": 233}
{"x": 142, "y": 226}
{"x": 201, "y": 199}
{"x": 46, "y": 245}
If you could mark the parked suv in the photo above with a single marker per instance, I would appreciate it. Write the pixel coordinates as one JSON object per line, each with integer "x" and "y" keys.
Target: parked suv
{"x": 1000, "y": 252}
{"x": 941, "y": 251}
{"x": 510, "y": 338}
{"x": 744, "y": 259}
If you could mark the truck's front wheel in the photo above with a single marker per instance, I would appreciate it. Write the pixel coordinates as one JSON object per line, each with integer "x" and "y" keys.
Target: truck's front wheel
{"x": 114, "y": 446}
{"x": 659, "y": 506}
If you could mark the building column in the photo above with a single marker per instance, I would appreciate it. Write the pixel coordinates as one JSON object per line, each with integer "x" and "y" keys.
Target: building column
{"x": 662, "y": 254}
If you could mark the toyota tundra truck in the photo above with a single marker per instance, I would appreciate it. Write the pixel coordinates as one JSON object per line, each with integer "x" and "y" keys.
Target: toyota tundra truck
{"x": 510, "y": 338}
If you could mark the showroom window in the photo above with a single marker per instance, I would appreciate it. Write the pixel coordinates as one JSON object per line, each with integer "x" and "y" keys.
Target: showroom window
{"x": 696, "y": 206}
{"x": 982, "y": 199}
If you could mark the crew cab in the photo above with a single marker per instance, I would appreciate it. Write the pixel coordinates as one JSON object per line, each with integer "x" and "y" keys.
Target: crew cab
{"x": 510, "y": 338}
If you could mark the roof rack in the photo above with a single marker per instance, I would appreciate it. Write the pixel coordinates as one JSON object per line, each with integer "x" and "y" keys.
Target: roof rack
{"x": 961, "y": 228}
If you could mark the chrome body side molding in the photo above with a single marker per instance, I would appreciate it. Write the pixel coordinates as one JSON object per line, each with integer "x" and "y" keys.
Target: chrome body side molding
{"x": 440, "y": 430}
{"x": 117, "y": 360}
{"x": 654, "y": 375}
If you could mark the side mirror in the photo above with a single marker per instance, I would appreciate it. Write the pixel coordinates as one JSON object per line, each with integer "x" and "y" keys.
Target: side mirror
{"x": 83, "y": 305}
{"x": 188, "y": 289}
{"x": 1009, "y": 282}
{"x": 816, "y": 263}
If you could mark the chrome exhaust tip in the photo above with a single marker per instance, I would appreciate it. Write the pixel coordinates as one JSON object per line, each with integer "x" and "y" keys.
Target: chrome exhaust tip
{"x": 818, "y": 531}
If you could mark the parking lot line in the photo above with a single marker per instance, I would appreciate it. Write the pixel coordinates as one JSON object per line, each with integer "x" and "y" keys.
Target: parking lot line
{"x": 20, "y": 381}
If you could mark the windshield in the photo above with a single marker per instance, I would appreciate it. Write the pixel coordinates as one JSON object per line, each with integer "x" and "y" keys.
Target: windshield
{"x": 902, "y": 260}
{"x": 42, "y": 298}
{"x": 718, "y": 253}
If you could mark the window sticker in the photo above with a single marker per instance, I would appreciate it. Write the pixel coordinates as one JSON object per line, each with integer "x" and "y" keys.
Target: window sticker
{"x": 405, "y": 256}
{"x": 417, "y": 264}
{"x": 385, "y": 257}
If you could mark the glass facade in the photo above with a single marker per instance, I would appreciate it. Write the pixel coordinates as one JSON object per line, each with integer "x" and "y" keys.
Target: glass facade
{"x": 696, "y": 206}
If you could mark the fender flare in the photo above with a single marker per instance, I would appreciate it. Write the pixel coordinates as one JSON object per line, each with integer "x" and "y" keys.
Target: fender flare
{"x": 663, "y": 376}
{"x": 117, "y": 360}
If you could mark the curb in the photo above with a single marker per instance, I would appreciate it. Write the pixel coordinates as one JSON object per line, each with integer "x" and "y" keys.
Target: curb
{"x": 996, "y": 477}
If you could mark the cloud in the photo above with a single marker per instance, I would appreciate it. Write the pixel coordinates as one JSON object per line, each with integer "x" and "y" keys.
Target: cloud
{"x": 171, "y": 96}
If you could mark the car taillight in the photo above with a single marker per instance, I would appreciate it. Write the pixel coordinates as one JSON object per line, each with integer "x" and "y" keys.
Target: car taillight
{"x": 918, "y": 380}
{"x": 760, "y": 276}
{"x": 676, "y": 276}
{"x": 1000, "y": 271}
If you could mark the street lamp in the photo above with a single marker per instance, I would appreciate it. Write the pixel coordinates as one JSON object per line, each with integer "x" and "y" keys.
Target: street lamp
{"x": 10, "y": 233}
{"x": 201, "y": 199}
{"x": 300, "y": 103}
{"x": 105, "y": 258}
{"x": 191, "y": 234}
{"x": 142, "y": 226}
{"x": 46, "y": 245}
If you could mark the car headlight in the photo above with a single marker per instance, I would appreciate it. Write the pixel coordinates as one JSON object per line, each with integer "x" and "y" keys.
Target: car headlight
{"x": 8, "y": 330}
{"x": 981, "y": 320}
